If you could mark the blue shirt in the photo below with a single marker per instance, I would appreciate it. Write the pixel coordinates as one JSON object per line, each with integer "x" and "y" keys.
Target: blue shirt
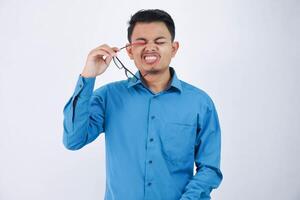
{"x": 152, "y": 140}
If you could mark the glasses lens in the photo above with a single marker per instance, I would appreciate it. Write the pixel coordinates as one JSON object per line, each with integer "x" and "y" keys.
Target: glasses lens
{"x": 117, "y": 62}
{"x": 129, "y": 74}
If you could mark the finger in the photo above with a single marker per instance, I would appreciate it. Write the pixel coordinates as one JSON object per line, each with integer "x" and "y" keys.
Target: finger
{"x": 108, "y": 49}
{"x": 99, "y": 52}
{"x": 115, "y": 49}
{"x": 108, "y": 60}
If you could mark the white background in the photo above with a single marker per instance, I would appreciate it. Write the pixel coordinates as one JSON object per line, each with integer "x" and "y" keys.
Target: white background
{"x": 244, "y": 54}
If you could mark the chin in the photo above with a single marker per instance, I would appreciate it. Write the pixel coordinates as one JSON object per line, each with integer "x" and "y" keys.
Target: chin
{"x": 151, "y": 69}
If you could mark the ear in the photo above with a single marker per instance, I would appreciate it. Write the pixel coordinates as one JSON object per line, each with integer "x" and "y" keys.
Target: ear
{"x": 129, "y": 51}
{"x": 175, "y": 46}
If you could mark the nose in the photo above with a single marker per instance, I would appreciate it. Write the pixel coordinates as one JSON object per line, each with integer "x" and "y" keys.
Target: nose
{"x": 151, "y": 46}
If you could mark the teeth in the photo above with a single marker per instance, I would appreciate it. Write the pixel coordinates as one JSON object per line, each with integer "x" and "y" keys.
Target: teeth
{"x": 150, "y": 58}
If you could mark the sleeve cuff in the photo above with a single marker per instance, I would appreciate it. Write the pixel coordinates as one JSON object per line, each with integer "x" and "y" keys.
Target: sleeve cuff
{"x": 84, "y": 86}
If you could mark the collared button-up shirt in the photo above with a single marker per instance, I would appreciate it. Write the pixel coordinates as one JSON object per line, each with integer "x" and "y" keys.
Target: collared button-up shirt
{"x": 152, "y": 139}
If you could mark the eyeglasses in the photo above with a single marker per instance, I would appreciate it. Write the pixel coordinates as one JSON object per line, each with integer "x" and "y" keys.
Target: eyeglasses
{"x": 120, "y": 65}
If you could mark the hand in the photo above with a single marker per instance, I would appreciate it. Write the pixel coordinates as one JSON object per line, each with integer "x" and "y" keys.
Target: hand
{"x": 98, "y": 60}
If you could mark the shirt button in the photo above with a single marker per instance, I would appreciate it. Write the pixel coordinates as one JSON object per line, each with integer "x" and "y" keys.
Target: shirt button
{"x": 150, "y": 161}
{"x": 151, "y": 139}
{"x": 149, "y": 184}
{"x": 152, "y": 117}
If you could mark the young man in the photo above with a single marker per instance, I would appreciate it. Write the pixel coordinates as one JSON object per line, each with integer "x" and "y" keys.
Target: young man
{"x": 156, "y": 126}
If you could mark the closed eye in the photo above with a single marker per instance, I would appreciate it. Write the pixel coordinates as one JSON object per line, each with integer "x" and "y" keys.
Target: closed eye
{"x": 160, "y": 43}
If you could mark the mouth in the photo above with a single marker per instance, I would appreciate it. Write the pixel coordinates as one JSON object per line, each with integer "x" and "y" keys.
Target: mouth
{"x": 150, "y": 58}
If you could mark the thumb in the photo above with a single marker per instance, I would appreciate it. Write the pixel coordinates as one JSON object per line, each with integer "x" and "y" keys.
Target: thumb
{"x": 108, "y": 60}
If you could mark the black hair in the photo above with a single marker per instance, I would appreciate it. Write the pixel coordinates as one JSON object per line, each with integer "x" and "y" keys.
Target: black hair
{"x": 151, "y": 15}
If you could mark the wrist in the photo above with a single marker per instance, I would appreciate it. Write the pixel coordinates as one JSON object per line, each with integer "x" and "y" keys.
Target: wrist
{"x": 86, "y": 75}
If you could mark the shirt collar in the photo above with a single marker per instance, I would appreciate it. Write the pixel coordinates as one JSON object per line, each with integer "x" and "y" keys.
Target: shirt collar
{"x": 175, "y": 82}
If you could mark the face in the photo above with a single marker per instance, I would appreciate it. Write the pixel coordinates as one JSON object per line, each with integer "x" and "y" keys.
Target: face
{"x": 152, "y": 48}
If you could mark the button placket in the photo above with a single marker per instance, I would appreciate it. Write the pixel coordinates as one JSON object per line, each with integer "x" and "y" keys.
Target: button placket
{"x": 149, "y": 178}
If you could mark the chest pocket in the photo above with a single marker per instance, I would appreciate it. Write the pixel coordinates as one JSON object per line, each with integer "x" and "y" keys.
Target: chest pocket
{"x": 178, "y": 142}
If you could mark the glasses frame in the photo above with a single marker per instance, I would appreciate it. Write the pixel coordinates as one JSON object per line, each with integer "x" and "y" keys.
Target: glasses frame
{"x": 116, "y": 60}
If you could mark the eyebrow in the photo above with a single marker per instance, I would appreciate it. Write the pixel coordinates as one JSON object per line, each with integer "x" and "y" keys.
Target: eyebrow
{"x": 144, "y": 39}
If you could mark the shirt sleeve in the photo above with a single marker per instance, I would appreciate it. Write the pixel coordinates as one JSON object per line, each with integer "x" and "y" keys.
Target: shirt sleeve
{"x": 83, "y": 114}
{"x": 207, "y": 157}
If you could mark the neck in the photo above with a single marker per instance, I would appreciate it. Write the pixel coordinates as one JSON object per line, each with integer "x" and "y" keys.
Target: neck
{"x": 159, "y": 81}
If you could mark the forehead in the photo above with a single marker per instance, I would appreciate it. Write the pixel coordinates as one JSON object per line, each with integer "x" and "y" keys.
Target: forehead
{"x": 150, "y": 30}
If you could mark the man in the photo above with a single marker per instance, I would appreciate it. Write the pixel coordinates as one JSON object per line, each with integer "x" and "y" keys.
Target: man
{"x": 156, "y": 126}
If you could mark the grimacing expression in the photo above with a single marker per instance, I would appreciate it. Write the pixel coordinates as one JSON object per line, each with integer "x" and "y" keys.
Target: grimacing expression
{"x": 152, "y": 48}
